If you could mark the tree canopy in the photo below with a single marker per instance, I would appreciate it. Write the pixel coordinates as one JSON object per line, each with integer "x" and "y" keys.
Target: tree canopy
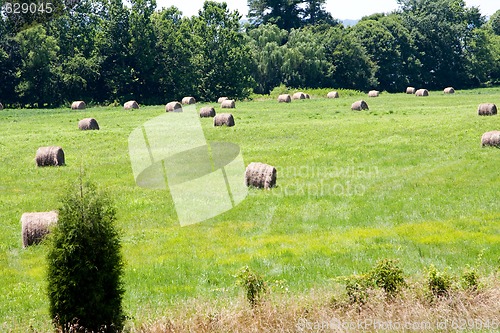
{"x": 107, "y": 52}
{"x": 289, "y": 14}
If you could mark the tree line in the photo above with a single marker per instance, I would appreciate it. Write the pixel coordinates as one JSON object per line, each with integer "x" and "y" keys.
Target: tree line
{"x": 103, "y": 51}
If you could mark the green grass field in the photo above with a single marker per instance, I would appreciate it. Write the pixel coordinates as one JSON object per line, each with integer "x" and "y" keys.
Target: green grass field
{"x": 407, "y": 179}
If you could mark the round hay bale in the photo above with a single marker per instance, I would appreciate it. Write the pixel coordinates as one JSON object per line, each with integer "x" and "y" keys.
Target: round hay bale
{"x": 173, "y": 107}
{"x": 222, "y": 119}
{"x": 373, "y": 93}
{"x": 222, "y": 99}
{"x": 487, "y": 109}
{"x": 49, "y": 156}
{"x": 131, "y": 105}
{"x": 285, "y": 98}
{"x": 307, "y": 96}
{"x": 332, "y": 94}
{"x": 228, "y": 104}
{"x": 35, "y": 226}
{"x": 411, "y": 90}
{"x": 78, "y": 105}
{"x": 491, "y": 139}
{"x": 188, "y": 100}
{"x": 299, "y": 95}
{"x": 359, "y": 106}
{"x": 207, "y": 112}
{"x": 449, "y": 90}
{"x": 422, "y": 93}
{"x": 260, "y": 175}
{"x": 88, "y": 124}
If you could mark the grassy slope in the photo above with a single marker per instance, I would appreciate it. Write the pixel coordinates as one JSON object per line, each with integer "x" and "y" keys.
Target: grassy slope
{"x": 406, "y": 180}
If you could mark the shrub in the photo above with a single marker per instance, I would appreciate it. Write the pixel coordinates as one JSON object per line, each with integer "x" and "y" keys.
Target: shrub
{"x": 357, "y": 287}
{"x": 388, "y": 276}
{"x": 470, "y": 279}
{"x": 254, "y": 285}
{"x": 439, "y": 283}
{"x": 85, "y": 264}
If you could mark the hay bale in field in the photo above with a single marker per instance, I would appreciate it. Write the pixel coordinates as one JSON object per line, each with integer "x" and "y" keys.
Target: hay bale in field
{"x": 173, "y": 107}
{"x": 332, "y": 94}
{"x": 188, "y": 100}
{"x": 487, "y": 109}
{"x": 35, "y": 226}
{"x": 411, "y": 90}
{"x": 228, "y": 104}
{"x": 88, "y": 124}
{"x": 359, "y": 106}
{"x": 49, "y": 156}
{"x": 449, "y": 90}
{"x": 299, "y": 95}
{"x": 285, "y": 98}
{"x": 131, "y": 105}
{"x": 260, "y": 175}
{"x": 78, "y": 105}
{"x": 422, "y": 93}
{"x": 307, "y": 96}
{"x": 491, "y": 139}
{"x": 222, "y": 99}
{"x": 207, "y": 112}
{"x": 222, "y": 119}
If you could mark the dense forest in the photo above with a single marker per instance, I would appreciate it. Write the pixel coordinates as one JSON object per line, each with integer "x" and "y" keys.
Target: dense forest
{"x": 108, "y": 52}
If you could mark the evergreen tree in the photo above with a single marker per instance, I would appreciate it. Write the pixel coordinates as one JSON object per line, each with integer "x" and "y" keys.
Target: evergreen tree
{"x": 85, "y": 264}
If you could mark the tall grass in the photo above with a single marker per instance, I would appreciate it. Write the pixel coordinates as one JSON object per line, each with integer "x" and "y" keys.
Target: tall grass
{"x": 463, "y": 311}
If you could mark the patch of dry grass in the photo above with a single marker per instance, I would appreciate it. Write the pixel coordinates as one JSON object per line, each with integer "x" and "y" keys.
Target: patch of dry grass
{"x": 413, "y": 310}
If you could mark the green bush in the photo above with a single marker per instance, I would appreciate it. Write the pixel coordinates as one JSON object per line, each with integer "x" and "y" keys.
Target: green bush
{"x": 470, "y": 279}
{"x": 357, "y": 287}
{"x": 254, "y": 284}
{"x": 388, "y": 276}
{"x": 439, "y": 283}
{"x": 85, "y": 264}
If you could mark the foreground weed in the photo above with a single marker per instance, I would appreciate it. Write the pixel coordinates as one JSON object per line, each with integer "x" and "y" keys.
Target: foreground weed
{"x": 357, "y": 287}
{"x": 389, "y": 276}
{"x": 470, "y": 279}
{"x": 254, "y": 285}
{"x": 439, "y": 283}
{"x": 386, "y": 275}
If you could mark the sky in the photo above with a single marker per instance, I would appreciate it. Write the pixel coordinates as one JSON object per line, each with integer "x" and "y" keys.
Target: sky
{"x": 340, "y": 9}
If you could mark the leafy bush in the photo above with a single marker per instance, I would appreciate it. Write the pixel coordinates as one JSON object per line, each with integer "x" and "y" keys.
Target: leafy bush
{"x": 357, "y": 287}
{"x": 439, "y": 283}
{"x": 254, "y": 284}
{"x": 470, "y": 279}
{"x": 85, "y": 264}
{"x": 388, "y": 276}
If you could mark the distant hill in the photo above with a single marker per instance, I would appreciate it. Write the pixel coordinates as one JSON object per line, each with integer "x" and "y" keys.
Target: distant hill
{"x": 349, "y": 23}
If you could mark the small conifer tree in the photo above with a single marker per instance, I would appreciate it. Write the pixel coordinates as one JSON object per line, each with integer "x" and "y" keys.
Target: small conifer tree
{"x": 85, "y": 264}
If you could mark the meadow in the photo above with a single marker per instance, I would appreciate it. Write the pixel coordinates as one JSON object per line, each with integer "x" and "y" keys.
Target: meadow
{"x": 406, "y": 180}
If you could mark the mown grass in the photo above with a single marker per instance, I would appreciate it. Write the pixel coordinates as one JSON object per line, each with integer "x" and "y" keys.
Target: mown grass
{"x": 407, "y": 179}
